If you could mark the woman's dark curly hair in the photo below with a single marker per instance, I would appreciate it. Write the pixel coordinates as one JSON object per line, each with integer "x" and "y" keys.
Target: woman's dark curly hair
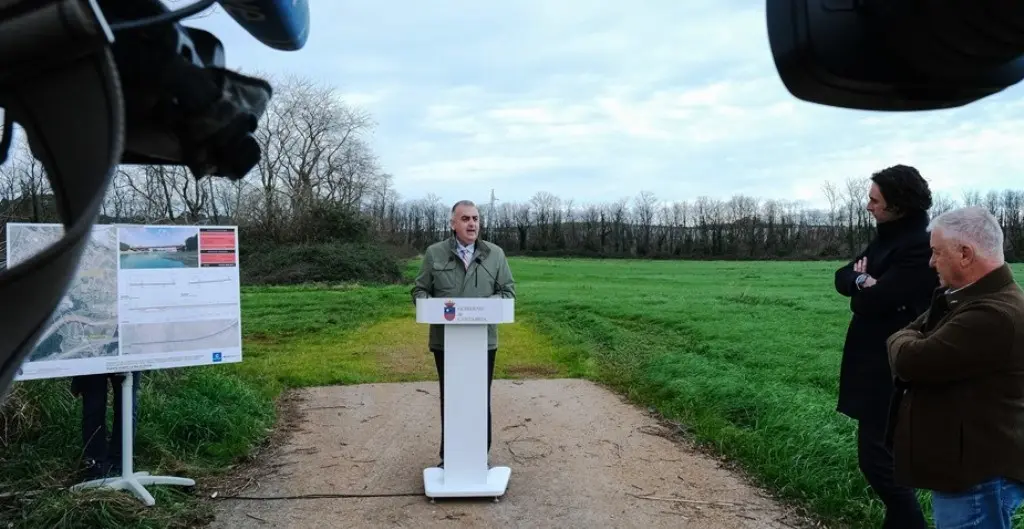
{"x": 904, "y": 189}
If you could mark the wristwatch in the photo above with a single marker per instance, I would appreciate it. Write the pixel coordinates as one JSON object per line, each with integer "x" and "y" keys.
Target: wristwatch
{"x": 860, "y": 281}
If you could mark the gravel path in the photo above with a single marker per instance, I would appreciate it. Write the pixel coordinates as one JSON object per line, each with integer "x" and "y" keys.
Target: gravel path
{"x": 580, "y": 457}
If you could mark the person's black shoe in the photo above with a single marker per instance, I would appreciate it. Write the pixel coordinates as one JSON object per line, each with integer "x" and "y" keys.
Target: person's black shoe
{"x": 92, "y": 469}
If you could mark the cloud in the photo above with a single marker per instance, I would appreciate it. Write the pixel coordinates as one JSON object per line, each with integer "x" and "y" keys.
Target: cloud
{"x": 603, "y": 100}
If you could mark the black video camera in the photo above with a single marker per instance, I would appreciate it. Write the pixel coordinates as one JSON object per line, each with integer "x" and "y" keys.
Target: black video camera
{"x": 182, "y": 106}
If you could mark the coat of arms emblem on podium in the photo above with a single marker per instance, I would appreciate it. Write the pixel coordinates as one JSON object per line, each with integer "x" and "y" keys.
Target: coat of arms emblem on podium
{"x": 449, "y": 310}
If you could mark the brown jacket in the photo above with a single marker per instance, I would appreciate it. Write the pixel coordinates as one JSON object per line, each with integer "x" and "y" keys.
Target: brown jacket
{"x": 958, "y": 417}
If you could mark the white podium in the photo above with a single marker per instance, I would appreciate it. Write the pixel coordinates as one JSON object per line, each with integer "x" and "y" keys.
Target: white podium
{"x": 465, "y": 472}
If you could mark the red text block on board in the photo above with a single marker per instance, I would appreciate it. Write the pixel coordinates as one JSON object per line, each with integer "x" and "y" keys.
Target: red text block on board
{"x": 217, "y": 240}
{"x": 217, "y": 258}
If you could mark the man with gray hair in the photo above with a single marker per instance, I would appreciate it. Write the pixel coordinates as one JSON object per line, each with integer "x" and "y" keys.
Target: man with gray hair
{"x": 957, "y": 420}
{"x": 464, "y": 266}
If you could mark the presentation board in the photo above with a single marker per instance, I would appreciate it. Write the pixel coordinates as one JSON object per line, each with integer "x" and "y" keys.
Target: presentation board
{"x": 143, "y": 297}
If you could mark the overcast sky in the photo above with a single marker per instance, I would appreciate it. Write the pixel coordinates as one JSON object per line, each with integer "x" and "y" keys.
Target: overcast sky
{"x": 602, "y": 100}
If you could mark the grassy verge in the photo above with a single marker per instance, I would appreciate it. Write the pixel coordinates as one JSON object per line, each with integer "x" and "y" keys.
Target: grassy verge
{"x": 192, "y": 422}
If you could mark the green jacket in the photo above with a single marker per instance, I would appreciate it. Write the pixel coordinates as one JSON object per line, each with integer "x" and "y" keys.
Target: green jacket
{"x": 443, "y": 275}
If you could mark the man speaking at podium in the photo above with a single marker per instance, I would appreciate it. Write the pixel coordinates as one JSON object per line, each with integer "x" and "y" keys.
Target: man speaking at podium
{"x": 464, "y": 266}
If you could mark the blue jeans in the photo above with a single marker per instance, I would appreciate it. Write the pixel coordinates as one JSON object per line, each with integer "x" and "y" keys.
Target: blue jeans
{"x": 988, "y": 505}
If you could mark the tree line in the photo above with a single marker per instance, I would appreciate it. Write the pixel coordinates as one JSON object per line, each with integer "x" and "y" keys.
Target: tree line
{"x": 319, "y": 187}
{"x": 739, "y": 227}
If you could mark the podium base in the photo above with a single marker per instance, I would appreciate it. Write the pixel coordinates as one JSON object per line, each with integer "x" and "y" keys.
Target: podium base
{"x": 495, "y": 486}
{"x": 136, "y": 484}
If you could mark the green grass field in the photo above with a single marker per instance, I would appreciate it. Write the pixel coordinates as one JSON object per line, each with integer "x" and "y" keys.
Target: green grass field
{"x": 745, "y": 354}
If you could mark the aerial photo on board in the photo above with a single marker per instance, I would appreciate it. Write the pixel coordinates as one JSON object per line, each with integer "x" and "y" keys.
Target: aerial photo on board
{"x": 84, "y": 325}
{"x": 159, "y": 247}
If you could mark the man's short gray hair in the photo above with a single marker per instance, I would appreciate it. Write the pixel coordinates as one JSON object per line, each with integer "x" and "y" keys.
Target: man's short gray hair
{"x": 973, "y": 226}
{"x": 468, "y": 203}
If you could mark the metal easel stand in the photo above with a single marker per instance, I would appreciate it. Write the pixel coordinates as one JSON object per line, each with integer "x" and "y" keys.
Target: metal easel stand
{"x": 131, "y": 481}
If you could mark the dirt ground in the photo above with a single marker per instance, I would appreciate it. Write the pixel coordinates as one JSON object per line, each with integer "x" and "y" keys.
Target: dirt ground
{"x": 580, "y": 457}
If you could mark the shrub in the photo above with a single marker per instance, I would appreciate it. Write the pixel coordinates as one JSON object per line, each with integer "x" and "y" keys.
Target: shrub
{"x": 319, "y": 262}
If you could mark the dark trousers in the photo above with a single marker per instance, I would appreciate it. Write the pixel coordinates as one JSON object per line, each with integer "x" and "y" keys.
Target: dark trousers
{"x": 902, "y": 511}
{"x": 439, "y": 363}
{"x": 93, "y": 390}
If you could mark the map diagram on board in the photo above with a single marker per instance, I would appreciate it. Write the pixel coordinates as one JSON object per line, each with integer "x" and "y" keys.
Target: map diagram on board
{"x": 84, "y": 325}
